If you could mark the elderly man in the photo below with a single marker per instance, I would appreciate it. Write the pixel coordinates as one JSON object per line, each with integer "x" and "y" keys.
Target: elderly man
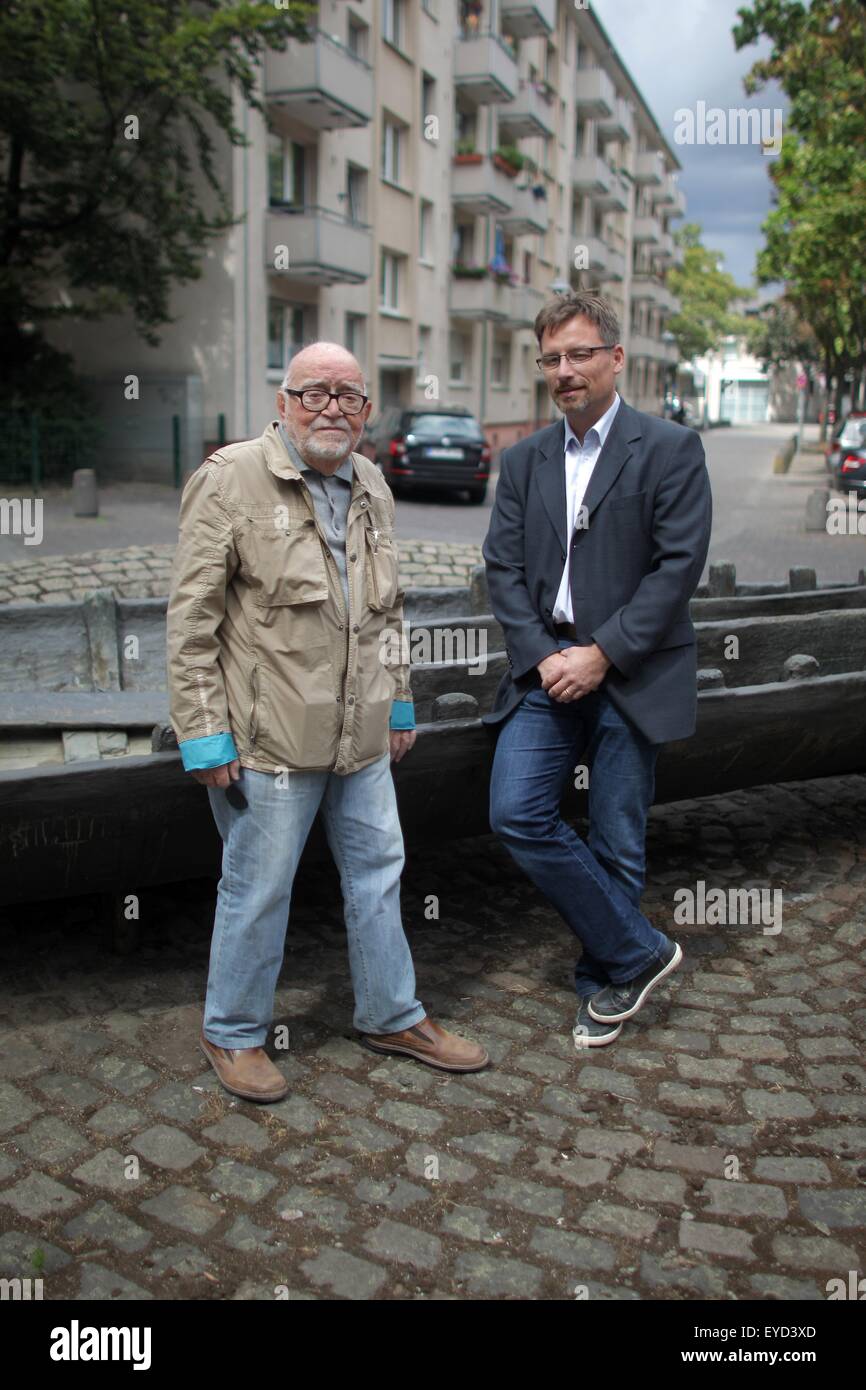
{"x": 597, "y": 540}
{"x": 284, "y": 582}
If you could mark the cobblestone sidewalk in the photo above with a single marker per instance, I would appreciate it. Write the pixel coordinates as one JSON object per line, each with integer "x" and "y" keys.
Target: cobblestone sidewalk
{"x": 142, "y": 571}
{"x": 716, "y": 1150}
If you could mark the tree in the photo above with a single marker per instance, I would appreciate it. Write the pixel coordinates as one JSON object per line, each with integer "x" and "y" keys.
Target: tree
{"x": 112, "y": 117}
{"x": 816, "y": 233}
{"x": 706, "y": 294}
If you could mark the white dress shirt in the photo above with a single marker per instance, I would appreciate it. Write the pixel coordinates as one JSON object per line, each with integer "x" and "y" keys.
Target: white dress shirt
{"x": 579, "y": 463}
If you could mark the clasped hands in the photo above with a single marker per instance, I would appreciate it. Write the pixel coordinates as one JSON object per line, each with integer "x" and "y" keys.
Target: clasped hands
{"x": 573, "y": 672}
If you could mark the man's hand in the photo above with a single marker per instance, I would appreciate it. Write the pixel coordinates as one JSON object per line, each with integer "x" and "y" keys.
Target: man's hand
{"x": 550, "y": 668}
{"x": 581, "y": 670}
{"x": 218, "y": 776}
{"x": 401, "y": 740}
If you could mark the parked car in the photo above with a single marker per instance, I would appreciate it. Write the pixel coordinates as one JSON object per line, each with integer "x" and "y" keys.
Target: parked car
{"x": 849, "y": 455}
{"x": 849, "y": 432}
{"x": 437, "y": 447}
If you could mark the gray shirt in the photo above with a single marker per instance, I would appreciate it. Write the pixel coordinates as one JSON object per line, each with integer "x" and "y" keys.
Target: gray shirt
{"x": 331, "y": 498}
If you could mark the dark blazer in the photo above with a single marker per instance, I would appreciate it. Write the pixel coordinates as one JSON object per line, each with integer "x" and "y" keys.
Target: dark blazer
{"x": 635, "y": 563}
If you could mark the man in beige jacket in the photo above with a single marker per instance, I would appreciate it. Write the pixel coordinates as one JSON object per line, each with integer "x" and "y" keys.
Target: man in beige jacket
{"x": 284, "y": 585}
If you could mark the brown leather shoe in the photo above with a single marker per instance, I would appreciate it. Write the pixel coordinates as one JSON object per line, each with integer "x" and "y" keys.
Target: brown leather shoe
{"x": 429, "y": 1042}
{"x": 245, "y": 1071}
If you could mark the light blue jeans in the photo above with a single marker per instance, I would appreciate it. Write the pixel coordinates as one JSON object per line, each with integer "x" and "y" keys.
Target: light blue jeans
{"x": 262, "y": 844}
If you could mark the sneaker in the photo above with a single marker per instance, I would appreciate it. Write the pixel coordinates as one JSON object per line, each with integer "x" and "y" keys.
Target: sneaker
{"x": 588, "y": 1033}
{"x": 615, "y": 1003}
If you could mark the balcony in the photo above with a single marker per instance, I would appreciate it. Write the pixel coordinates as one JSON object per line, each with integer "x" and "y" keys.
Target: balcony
{"x": 528, "y": 215}
{"x": 618, "y": 196}
{"x": 479, "y": 186}
{"x": 321, "y": 84}
{"x": 665, "y": 248}
{"x": 594, "y": 93}
{"x": 678, "y": 257}
{"x": 530, "y": 113}
{"x": 615, "y": 265}
{"x": 646, "y": 289}
{"x": 485, "y": 299}
{"x": 641, "y": 345}
{"x": 619, "y": 125}
{"x": 322, "y": 247}
{"x": 678, "y": 205}
{"x": 647, "y": 230}
{"x": 649, "y": 168}
{"x": 526, "y": 20}
{"x": 596, "y": 254}
{"x": 484, "y": 71}
{"x": 590, "y": 175}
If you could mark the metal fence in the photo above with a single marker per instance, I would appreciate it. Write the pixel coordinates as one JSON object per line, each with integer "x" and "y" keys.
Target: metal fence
{"x": 157, "y": 448}
{"x": 34, "y": 450}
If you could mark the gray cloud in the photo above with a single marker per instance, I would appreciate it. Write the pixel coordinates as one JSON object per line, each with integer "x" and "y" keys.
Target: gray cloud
{"x": 680, "y": 52}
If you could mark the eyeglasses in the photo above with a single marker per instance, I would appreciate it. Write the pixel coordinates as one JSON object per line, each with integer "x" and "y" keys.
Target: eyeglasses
{"x": 550, "y": 361}
{"x": 350, "y": 402}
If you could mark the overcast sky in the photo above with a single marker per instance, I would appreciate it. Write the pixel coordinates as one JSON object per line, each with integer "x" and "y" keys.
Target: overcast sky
{"x": 680, "y": 52}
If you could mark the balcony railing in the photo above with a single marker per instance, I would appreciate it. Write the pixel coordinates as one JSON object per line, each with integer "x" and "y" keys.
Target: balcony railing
{"x": 480, "y": 186}
{"x": 647, "y": 230}
{"x": 488, "y": 299}
{"x": 485, "y": 70}
{"x": 530, "y": 113}
{"x": 317, "y": 246}
{"x": 618, "y": 196}
{"x": 590, "y": 175}
{"x": 321, "y": 83}
{"x": 620, "y": 124}
{"x": 649, "y": 168}
{"x": 527, "y": 215}
{"x": 594, "y": 93}
{"x": 526, "y": 19}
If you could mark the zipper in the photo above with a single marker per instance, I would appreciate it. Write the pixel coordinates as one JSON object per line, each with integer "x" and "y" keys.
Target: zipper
{"x": 372, "y": 537}
{"x": 253, "y": 720}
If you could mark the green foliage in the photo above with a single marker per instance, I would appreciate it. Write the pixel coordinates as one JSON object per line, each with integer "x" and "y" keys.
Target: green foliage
{"x": 706, "y": 294}
{"x": 93, "y": 221}
{"x": 816, "y": 233}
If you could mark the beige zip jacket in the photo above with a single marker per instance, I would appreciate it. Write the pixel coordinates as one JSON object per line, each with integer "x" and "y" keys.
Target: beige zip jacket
{"x": 265, "y": 662}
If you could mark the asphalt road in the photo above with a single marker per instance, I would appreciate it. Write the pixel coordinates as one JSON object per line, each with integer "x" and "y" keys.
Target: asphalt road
{"x": 758, "y": 516}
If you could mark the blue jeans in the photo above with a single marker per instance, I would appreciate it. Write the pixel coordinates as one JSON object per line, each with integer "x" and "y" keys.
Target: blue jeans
{"x": 261, "y": 847}
{"x": 595, "y": 886}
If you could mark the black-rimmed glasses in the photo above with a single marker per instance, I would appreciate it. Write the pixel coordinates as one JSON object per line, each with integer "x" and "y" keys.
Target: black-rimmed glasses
{"x": 313, "y": 398}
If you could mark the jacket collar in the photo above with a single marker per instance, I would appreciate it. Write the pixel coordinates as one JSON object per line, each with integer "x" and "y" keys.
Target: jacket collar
{"x": 550, "y": 471}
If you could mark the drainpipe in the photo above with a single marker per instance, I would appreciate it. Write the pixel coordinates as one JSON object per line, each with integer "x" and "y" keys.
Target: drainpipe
{"x": 246, "y": 276}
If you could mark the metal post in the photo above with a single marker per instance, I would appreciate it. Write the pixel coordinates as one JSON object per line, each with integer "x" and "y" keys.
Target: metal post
{"x": 175, "y": 447}
{"x": 221, "y": 429}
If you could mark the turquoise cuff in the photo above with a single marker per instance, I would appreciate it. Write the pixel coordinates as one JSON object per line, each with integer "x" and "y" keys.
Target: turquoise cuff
{"x": 402, "y": 714}
{"x": 212, "y": 751}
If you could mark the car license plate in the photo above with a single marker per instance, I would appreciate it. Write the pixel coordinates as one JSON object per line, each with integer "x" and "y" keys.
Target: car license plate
{"x": 432, "y": 453}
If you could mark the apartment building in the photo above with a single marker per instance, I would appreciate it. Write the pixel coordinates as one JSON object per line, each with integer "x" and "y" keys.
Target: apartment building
{"x": 430, "y": 173}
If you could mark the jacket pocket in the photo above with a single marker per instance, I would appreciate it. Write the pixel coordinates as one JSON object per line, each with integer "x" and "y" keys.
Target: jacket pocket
{"x": 382, "y": 578}
{"x": 283, "y": 564}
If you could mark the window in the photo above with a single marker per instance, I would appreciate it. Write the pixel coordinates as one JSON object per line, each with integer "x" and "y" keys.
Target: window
{"x": 394, "y": 22}
{"x": 425, "y": 335}
{"x": 357, "y": 38}
{"x": 289, "y": 327}
{"x": 355, "y": 336}
{"x": 286, "y": 172}
{"x": 392, "y": 149}
{"x": 463, "y": 244}
{"x": 428, "y": 97}
{"x": 356, "y": 193}
{"x": 425, "y": 230}
{"x": 458, "y": 356}
{"x": 389, "y": 281}
{"x": 500, "y": 360}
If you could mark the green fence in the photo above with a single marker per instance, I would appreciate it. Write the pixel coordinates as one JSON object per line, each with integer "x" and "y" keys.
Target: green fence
{"x": 35, "y": 450}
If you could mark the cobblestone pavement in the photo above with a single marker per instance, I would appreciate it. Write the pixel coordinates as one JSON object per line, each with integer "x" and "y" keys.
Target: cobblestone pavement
{"x": 716, "y": 1150}
{"x": 142, "y": 571}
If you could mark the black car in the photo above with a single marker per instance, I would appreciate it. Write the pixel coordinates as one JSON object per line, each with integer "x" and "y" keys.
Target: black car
{"x": 849, "y": 431}
{"x": 437, "y": 447}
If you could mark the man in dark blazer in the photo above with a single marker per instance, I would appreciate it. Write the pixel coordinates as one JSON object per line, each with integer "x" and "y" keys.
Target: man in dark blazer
{"x": 598, "y": 537}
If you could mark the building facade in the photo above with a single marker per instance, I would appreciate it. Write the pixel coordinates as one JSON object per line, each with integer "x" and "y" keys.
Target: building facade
{"x": 429, "y": 174}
